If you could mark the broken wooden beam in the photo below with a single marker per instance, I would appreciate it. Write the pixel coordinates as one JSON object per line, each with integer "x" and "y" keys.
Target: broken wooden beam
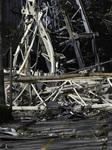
{"x": 56, "y": 78}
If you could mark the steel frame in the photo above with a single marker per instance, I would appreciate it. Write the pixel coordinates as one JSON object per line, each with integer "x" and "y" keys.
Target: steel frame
{"x": 68, "y": 92}
{"x": 56, "y": 32}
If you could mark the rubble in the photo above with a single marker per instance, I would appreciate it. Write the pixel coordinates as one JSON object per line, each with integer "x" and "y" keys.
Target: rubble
{"x": 61, "y": 92}
{"x": 8, "y": 131}
{"x": 64, "y": 78}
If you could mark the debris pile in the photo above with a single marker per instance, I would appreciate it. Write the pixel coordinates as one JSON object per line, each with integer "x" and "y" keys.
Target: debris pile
{"x": 56, "y": 66}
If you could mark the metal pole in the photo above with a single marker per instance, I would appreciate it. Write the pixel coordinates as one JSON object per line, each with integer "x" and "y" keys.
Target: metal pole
{"x": 11, "y": 78}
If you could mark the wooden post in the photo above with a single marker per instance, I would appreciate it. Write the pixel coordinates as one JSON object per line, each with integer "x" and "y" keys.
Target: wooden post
{"x": 2, "y": 93}
{"x": 11, "y": 78}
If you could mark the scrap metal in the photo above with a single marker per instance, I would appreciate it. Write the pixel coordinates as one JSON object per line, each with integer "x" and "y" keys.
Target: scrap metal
{"x": 61, "y": 43}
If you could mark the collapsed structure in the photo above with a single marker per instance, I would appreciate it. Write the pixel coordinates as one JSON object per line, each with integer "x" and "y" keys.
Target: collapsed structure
{"x": 57, "y": 60}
